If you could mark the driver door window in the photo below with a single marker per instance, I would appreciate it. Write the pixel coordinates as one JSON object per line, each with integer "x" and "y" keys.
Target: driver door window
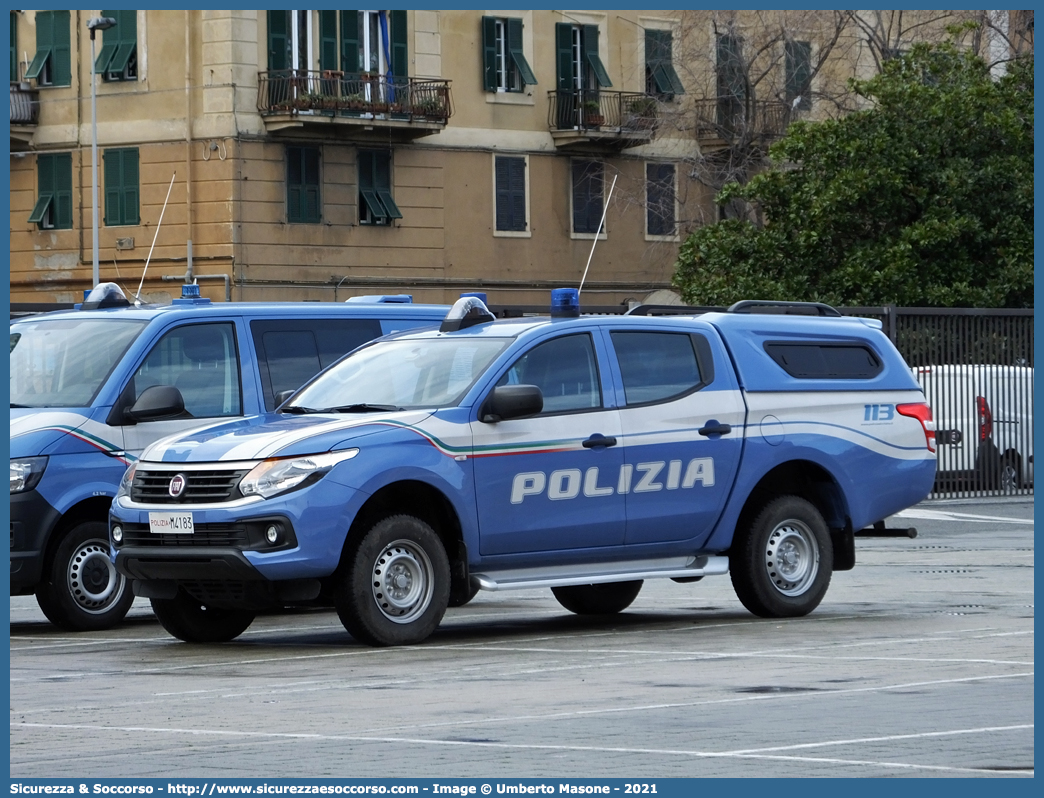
{"x": 566, "y": 372}
{"x": 202, "y": 362}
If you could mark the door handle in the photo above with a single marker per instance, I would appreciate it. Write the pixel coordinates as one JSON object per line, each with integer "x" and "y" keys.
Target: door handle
{"x": 598, "y": 441}
{"x": 712, "y": 429}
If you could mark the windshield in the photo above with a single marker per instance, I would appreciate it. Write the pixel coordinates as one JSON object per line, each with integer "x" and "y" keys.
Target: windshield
{"x": 406, "y": 374}
{"x": 63, "y": 362}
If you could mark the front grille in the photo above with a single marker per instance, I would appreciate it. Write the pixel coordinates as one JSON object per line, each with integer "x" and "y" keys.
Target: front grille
{"x": 217, "y": 485}
{"x": 236, "y": 535}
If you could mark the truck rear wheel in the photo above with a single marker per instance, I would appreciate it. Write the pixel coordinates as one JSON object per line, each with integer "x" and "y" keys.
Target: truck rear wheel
{"x": 396, "y": 583}
{"x": 604, "y": 599}
{"x": 194, "y": 622}
{"x": 781, "y": 564}
{"x": 82, "y": 591}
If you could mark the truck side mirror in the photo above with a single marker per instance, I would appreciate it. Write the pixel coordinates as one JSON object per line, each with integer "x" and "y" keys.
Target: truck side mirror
{"x": 156, "y": 403}
{"x": 282, "y": 396}
{"x": 512, "y": 401}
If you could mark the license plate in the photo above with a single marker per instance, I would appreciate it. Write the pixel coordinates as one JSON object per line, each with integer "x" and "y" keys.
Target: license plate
{"x": 171, "y": 523}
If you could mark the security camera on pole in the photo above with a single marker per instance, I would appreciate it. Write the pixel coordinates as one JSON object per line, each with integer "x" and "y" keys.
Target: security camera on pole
{"x": 95, "y": 24}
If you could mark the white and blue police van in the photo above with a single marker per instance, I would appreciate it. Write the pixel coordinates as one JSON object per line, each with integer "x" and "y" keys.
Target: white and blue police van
{"x": 92, "y": 387}
{"x": 583, "y": 454}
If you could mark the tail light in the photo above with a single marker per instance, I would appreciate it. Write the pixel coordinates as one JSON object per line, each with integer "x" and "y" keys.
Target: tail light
{"x": 985, "y": 418}
{"x": 922, "y": 413}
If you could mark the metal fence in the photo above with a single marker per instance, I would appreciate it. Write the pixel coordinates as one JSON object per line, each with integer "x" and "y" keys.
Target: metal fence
{"x": 976, "y": 368}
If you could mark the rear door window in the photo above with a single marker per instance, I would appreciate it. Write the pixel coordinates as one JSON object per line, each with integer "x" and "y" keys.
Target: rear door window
{"x": 656, "y": 366}
{"x": 292, "y": 351}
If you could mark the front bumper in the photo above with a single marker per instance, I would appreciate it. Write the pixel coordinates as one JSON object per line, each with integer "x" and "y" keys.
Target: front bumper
{"x": 32, "y": 520}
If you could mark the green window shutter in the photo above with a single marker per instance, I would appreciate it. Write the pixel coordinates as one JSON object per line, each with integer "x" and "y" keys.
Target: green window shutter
{"x": 130, "y": 187}
{"x": 799, "y": 73}
{"x": 125, "y": 36}
{"x": 113, "y": 176}
{"x": 328, "y": 40}
{"x": 564, "y": 55}
{"x": 514, "y": 42}
{"x": 368, "y": 186}
{"x": 731, "y": 82}
{"x": 278, "y": 35}
{"x": 489, "y": 53}
{"x": 63, "y": 191}
{"x": 658, "y": 60}
{"x": 510, "y": 193}
{"x": 591, "y": 54}
{"x": 110, "y": 44}
{"x": 44, "y": 44}
{"x": 61, "y": 52}
{"x": 400, "y": 55}
{"x": 350, "y": 42}
{"x": 587, "y": 196}
{"x": 45, "y": 185}
{"x": 303, "y": 200}
{"x": 660, "y": 199}
{"x": 382, "y": 184}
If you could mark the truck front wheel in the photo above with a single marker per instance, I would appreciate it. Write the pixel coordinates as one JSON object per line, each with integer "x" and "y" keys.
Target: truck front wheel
{"x": 782, "y": 562}
{"x": 396, "y": 583}
{"x": 195, "y": 622}
{"x": 82, "y": 591}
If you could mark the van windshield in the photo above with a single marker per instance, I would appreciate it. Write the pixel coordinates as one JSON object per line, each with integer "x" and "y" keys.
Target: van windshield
{"x": 404, "y": 374}
{"x": 63, "y": 362}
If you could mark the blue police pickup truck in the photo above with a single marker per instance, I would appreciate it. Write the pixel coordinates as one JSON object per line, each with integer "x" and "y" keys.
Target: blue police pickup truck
{"x": 583, "y": 454}
{"x": 90, "y": 388}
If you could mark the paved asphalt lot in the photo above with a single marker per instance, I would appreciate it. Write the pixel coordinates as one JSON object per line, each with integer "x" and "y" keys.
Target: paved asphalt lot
{"x": 918, "y": 663}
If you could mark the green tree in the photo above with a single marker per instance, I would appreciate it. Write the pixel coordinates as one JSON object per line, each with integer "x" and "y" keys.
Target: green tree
{"x": 923, "y": 199}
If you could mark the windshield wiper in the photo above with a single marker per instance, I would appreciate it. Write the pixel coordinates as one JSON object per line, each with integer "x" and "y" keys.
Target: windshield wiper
{"x": 14, "y": 405}
{"x": 299, "y": 409}
{"x": 362, "y": 407}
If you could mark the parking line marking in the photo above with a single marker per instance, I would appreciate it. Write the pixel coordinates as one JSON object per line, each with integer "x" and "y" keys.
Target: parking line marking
{"x": 749, "y": 754}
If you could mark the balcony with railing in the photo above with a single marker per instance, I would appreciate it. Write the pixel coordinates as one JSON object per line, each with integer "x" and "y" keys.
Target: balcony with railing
{"x": 403, "y": 107}
{"x": 25, "y": 114}
{"x": 608, "y": 119}
{"x": 726, "y": 120}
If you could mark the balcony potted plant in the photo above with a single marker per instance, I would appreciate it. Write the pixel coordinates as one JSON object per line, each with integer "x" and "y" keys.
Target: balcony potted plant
{"x": 642, "y": 113}
{"x": 592, "y": 113}
{"x": 430, "y": 107}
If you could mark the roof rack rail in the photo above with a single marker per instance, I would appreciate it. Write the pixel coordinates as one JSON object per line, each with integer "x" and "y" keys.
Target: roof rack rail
{"x": 783, "y": 308}
{"x": 672, "y": 310}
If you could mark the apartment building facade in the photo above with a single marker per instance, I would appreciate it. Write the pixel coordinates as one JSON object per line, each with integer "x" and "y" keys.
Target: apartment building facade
{"x": 313, "y": 155}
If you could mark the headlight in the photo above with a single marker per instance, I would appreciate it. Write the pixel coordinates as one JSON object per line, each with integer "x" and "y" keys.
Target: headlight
{"x": 26, "y": 473}
{"x": 271, "y": 477}
{"x": 127, "y": 481}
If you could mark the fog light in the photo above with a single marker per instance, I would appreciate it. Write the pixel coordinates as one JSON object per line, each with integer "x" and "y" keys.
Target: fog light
{"x": 117, "y": 534}
{"x": 272, "y": 534}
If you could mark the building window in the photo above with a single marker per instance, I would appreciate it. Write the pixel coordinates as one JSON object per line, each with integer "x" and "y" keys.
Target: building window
{"x": 118, "y": 59}
{"x": 799, "y": 75}
{"x": 376, "y": 205}
{"x": 581, "y": 74}
{"x": 51, "y": 66}
{"x": 53, "y": 209}
{"x": 303, "y": 201}
{"x": 121, "y": 186}
{"x": 731, "y": 81}
{"x": 659, "y": 199}
{"x": 504, "y": 65}
{"x": 510, "y": 178}
{"x": 660, "y": 77}
{"x": 366, "y": 37}
{"x": 588, "y": 188}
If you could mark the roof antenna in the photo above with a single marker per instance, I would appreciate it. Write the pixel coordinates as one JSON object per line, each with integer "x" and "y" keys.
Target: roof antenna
{"x": 137, "y": 296}
{"x": 593, "y": 243}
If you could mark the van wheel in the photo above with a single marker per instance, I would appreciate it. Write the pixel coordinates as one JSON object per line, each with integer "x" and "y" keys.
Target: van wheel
{"x": 396, "y": 583}
{"x": 193, "y": 621}
{"x": 604, "y": 599}
{"x": 83, "y": 591}
{"x": 1010, "y": 473}
{"x": 781, "y": 564}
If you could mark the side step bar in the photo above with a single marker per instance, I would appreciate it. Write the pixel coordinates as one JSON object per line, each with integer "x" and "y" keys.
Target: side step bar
{"x": 600, "y": 573}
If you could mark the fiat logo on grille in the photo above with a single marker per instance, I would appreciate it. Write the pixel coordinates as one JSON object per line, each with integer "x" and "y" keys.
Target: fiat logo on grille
{"x": 177, "y": 485}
